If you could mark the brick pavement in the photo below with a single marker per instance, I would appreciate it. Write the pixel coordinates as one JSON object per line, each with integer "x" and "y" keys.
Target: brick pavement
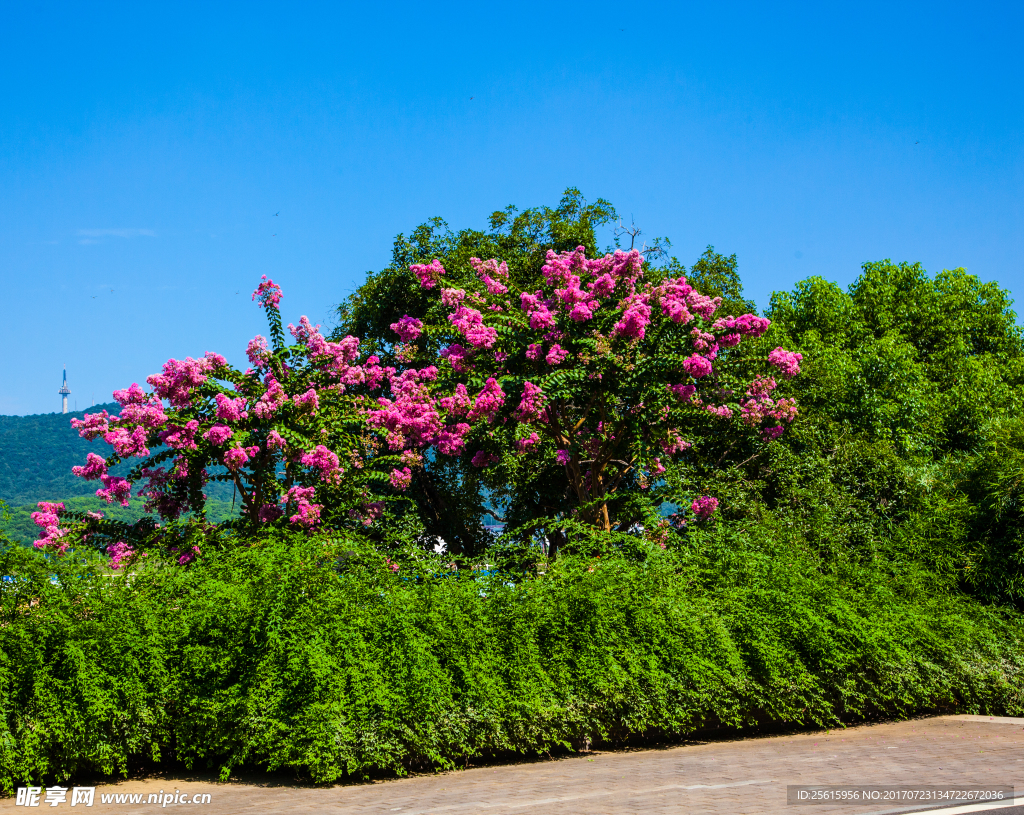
{"x": 734, "y": 776}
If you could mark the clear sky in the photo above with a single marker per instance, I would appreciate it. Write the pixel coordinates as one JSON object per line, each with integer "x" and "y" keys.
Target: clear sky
{"x": 145, "y": 149}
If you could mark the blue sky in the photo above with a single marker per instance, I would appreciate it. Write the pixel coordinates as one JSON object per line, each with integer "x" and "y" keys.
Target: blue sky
{"x": 145, "y": 148}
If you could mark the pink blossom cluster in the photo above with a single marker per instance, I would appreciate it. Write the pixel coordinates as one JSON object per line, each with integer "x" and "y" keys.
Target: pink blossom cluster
{"x": 258, "y": 352}
{"x": 539, "y": 309}
{"x": 181, "y": 377}
{"x": 132, "y": 395}
{"x": 457, "y": 356}
{"x": 306, "y": 334}
{"x": 748, "y": 325}
{"x": 47, "y": 518}
{"x": 238, "y": 457}
{"x": 697, "y": 366}
{"x": 271, "y": 400}
{"x": 531, "y": 404}
{"x": 679, "y": 301}
{"x": 180, "y": 437}
{"x": 92, "y": 425}
{"x": 307, "y": 513}
{"x": 400, "y": 479}
{"x": 469, "y": 323}
{"x": 787, "y": 362}
{"x": 488, "y": 402}
{"x": 674, "y": 444}
{"x": 527, "y": 444}
{"x": 95, "y": 466}
{"x": 452, "y": 297}
{"x": 429, "y": 274}
{"x": 451, "y": 440}
{"x": 127, "y": 443}
{"x": 459, "y": 403}
{"x": 636, "y": 316}
{"x": 232, "y": 410}
{"x": 705, "y": 343}
{"x": 115, "y": 489}
{"x": 408, "y": 328}
{"x": 488, "y": 271}
{"x": 481, "y": 458}
{"x": 324, "y": 462}
{"x": 120, "y": 553}
{"x": 556, "y": 355}
{"x": 147, "y": 414}
{"x": 704, "y": 507}
{"x": 308, "y": 402}
{"x": 218, "y": 434}
{"x": 268, "y": 294}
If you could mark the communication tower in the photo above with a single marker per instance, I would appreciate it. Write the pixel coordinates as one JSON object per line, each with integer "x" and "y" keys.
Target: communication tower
{"x": 65, "y": 391}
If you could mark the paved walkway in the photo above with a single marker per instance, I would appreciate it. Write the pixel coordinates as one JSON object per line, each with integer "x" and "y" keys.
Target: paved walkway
{"x": 738, "y": 776}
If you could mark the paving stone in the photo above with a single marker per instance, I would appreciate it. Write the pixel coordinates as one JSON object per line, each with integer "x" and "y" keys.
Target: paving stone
{"x": 734, "y": 776}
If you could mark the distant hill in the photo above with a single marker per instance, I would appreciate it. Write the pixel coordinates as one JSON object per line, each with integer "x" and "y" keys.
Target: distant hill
{"x": 38, "y": 452}
{"x": 36, "y": 456}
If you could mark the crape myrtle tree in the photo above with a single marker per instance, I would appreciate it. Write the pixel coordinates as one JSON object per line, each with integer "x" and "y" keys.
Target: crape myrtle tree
{"x": 289, "y": 433}
{"x": 565, "y": 393}
{"x": 447, "y": 491}
{"x": 560, "y": 394}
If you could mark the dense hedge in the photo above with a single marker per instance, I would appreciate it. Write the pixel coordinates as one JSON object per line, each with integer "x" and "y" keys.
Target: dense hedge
{"x": 283, "y": 655}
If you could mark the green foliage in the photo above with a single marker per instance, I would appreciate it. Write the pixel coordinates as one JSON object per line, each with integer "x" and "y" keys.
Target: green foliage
{"x": 907, "y": 445}
{"x": 311, "y": 655}
{"x": 924, "y": 363}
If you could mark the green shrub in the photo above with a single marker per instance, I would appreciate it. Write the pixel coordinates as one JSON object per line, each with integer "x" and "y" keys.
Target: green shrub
{"x": 312, "y": 655}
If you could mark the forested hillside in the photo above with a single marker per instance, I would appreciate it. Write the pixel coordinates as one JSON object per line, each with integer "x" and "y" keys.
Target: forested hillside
{"x": 37, "y": 454}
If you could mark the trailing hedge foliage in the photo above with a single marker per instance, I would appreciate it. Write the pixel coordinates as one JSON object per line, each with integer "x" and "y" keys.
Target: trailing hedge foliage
{"x": 312, "y": 655}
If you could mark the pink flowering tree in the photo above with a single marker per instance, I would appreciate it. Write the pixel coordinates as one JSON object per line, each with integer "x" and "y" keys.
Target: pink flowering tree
{"x": 290, "y": 434}
{"x": 587, "y": 385}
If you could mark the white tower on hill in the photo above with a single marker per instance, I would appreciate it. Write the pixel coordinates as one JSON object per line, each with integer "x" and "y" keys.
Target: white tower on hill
{"x": 65, "y": 391}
